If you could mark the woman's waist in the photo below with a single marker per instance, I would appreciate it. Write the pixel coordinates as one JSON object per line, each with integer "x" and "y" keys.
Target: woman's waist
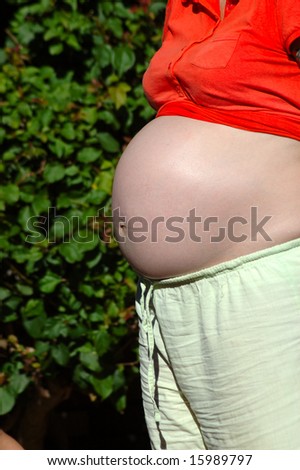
{"x": 187, "y": 194}
{"x": 168, "y": 240}
{"x": 165, "y": 247}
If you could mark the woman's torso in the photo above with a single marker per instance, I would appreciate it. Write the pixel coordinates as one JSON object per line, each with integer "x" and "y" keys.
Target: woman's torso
{"x": 243, "y": 185}
{"x": 196, "y": 193}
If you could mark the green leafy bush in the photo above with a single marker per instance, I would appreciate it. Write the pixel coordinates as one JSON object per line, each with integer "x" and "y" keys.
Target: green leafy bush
{"x": 70, "y": 100}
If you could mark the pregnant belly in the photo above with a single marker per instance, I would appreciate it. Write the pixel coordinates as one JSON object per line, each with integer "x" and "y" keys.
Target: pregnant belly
{"x": 189, "y": 194}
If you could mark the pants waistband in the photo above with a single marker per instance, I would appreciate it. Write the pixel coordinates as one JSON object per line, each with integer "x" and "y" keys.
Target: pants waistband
{"x": 224, "y": 266}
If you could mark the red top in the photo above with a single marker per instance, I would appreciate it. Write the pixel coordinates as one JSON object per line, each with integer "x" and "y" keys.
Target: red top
{"x": 237, "y": 71}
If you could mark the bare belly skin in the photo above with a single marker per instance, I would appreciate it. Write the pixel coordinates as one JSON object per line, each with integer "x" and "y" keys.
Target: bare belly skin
{"x": 189, "y": 194}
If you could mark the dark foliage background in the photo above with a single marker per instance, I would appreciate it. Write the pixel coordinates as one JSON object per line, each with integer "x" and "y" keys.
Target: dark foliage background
{"x": 70, "y": 101}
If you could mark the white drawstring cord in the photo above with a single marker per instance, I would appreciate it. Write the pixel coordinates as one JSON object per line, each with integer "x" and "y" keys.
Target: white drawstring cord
{"x": 147, "y": 325}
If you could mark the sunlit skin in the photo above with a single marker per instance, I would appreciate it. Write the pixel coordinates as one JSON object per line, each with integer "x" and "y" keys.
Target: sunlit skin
{"x": 8, "y": 443}
{"x": 176, "y": 164}
{"x": 222, "y": 8}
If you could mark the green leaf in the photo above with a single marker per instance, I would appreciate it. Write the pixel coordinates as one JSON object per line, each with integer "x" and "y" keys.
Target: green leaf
{"x": 34, "y": 317}
{"x": 68, "y": 131}
{"x": 56, "y": 327}
{"x": 46, "y": 116}
{"x": 24, "y": 289}
{"x": 88, "y": 155}
{"x": 7, "y": 400}
{"x": 93, "y": 262}
{"x": 73, "y": 42}
{"x": 35, "y": 327}
{"x": 26, "y": 33}
{"x": 87, "y": 290}
{"x": 119, "y": 378}
{"x": 54, "y": 172}
{"x": 72, "y": 3}
{"x": 121, "y": 403}
{"x": 105, "y": 180}
{"x": 108, "y": 142}
{"x": 9, "y": 193}
{"x": 119, "y": 94}
{"x": 41, "y": 203}
{"x": 102, "y": 342}
{"x": 13, "y": 120}
{"x": 56, "y": 49}
{"x": 33, "y": 308}
{"x": 3, "y": 57}
{"x": 11, "y": 153}
{"x": 85, "y": 241}
{"x": 123, "y": 59}
{"x": 104, "y": 55}
{"x": 72, "y": 170}
{"x": 2, "y": 135}
{"x": 115, "y": 25}
{"x": 96, "y": 197}
{"x": 49, "y": 282}
{"x": 41, "y": 349}
{"x": 103, "y": 387}
{"x": 4, "y": 293}
{"x": 61, "y": 148}
{"x": 81, "y": 376}
{"x": 90, "y": 360}
{"x": 12, "y": 303}
{"x": 24, "y": 217}
{"x": 18, "y": 383}
{"x": 96, "y": 317}
{"x": 90, "y": 115}
{"x": 24, "y": 109}
{"x": 70, "y": 252}
{"x": 60, "y": 354}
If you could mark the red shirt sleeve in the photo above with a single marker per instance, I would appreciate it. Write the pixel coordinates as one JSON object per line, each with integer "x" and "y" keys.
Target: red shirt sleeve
{"x": 288, "y": 12}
